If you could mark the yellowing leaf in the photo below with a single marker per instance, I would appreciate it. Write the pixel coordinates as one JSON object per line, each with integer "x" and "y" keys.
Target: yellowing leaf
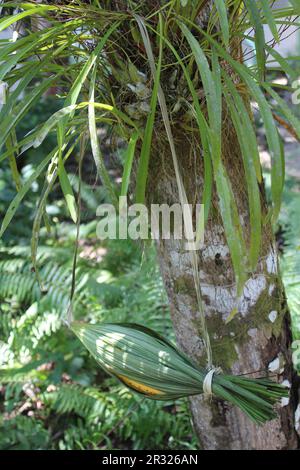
{"x": 140, "y": 387}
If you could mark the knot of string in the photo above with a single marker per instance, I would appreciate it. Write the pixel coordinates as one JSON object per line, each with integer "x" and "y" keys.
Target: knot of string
{"x": 208, "y": 382}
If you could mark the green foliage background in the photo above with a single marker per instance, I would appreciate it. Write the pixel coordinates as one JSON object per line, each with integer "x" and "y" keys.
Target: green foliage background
{"x": 52, "y": 394}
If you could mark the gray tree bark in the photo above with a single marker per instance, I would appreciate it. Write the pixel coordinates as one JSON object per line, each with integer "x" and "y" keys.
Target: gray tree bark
{"x": 257, "y": 340}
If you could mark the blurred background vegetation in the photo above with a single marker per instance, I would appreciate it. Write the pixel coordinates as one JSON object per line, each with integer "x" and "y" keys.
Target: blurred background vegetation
{"x": 47, "y": 375}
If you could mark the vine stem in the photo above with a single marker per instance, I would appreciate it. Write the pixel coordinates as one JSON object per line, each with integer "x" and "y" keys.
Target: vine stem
{"x": 70, "y": 316}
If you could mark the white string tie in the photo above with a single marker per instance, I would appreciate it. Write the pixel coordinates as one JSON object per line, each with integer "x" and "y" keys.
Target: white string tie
{"x": 208, "y": 380}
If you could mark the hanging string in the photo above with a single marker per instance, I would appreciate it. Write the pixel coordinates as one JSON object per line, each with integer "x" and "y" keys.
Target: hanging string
{"x": 188, "y": 221}
{"x": 69, "y": 317}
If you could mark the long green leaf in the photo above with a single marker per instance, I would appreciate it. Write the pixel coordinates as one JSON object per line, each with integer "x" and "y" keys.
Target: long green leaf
{"x": 142, "y": 173}
{"x": 50, "y": 180}
{"x": 213, "y": 96}
{"x": 259, "y": 35}
{"x": 266, "y": 113}
{"x": 129, "y": 156}
{"x": 223, "y": 18}
{"x": 27, "y": 47}
{"x": 70, "y": 101}
{"x": 203, "y": 131}
{"x": 284, "y": 108}
{"x": 77, "y": 86}
{"x": 12, "y": 119}
{"x": 7, "y": 22}
{"x": 242, "y": 124}
{"x": 267, "y": 10}
{"x": 51, "y": 123}
{"x": 296, "y": 6}
{"x": 23, "y": 191}
{"x": 96, "y": 150}
{"x": 228, "y": 209}
{"x": 11, "y": 143}
{"x": 64, "y": 180}
{"x": 287, "y": 68}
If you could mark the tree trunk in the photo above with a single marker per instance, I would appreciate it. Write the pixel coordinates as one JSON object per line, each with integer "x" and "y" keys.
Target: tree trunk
{"x": 258, "y": 338}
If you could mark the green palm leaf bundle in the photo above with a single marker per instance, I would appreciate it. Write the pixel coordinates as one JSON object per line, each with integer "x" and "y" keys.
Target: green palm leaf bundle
{"x": 147, "y": 363}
